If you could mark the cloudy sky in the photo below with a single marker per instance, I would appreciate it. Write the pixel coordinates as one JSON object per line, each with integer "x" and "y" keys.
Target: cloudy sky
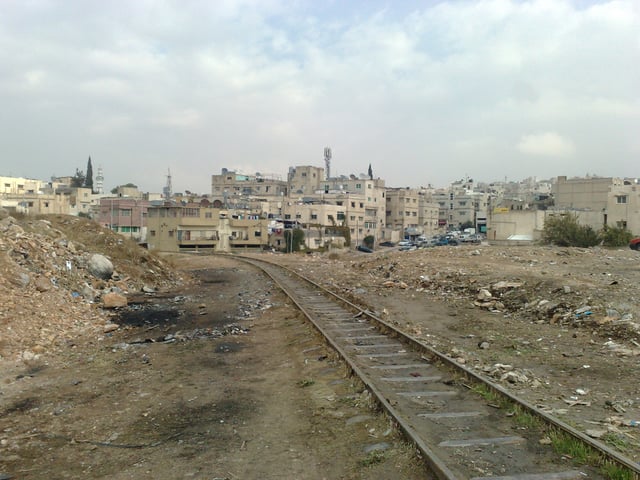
{"x": 427, "y": 92}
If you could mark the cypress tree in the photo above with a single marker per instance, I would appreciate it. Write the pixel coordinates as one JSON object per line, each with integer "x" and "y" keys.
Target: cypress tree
{"x": 88, "y": 181}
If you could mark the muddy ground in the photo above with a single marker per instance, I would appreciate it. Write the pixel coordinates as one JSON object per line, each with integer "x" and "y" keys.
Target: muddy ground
{"x": 219, "y": 380}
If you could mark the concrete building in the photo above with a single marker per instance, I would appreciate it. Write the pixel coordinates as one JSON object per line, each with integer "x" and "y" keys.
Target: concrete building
{"x": 174, "y": 228}
{"x": 16, "y": 186}
{"x": 515, "y": 227}
{"x": 403, "y": 212}
{"x": 304, "y": 180}
{"x": 124, "y": 215}
{"x": 623, "y": 207}
{"x": 230, "y": 189}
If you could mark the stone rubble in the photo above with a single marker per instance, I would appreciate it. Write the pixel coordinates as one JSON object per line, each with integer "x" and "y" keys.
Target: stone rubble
{"x": 57, "y": 274}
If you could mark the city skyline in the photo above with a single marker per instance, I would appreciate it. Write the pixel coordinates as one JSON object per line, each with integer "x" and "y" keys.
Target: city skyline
{"x": 425, "y": 92}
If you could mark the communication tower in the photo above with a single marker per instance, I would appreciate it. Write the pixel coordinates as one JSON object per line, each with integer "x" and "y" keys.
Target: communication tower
{"x": 166, "y": 191}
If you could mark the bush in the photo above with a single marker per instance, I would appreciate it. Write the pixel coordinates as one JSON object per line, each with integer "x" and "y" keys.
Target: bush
{"x": 615, "y": 237}
{"x": 368, "y": 241}
{"x": 565, "y": 231}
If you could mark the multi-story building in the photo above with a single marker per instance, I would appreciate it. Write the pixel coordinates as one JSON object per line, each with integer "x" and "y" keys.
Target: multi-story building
{"x": 20, "y": 186}
{"x": 304, "y": 180}
{"x": 403, "y": 211}
{"x": 174, "y": 228}
{"x": 231, "y": 189}
{"x": 124, "y": 215}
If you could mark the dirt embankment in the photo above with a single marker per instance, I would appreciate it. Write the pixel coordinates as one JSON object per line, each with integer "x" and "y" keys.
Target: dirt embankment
{"x": 49, "y": 294}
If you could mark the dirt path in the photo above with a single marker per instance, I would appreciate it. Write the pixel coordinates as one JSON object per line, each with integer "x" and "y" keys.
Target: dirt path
{"x": 223, "y": 380}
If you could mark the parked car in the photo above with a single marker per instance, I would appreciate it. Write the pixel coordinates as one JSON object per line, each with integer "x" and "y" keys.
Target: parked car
{"x": 362, "y": 248}
{"x": 387, "y": 244}
{"x": 634, "y": 244}
{"x": 404, "y": 243}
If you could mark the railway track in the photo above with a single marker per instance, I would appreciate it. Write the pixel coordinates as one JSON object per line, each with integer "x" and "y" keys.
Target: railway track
{"x": 465, "y": 426}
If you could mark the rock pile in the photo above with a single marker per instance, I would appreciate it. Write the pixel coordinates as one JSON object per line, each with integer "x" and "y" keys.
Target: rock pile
{"x": 58, "y": 273}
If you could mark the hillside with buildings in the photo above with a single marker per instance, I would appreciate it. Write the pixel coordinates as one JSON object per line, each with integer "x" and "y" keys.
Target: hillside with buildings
{"x": 255, "y": 211}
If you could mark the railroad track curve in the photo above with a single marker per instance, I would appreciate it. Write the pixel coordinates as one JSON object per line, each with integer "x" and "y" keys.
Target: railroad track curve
{"x": 465, "y": 426}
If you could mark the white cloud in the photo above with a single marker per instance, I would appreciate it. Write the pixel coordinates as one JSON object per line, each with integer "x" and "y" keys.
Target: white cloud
{"x": 424, "y": 91}
{"x": 548, "y": 144}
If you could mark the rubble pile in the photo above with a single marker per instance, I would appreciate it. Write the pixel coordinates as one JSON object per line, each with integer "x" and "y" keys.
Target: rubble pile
{"x": 592, "y": 288}
{"x": 58, "y": 273}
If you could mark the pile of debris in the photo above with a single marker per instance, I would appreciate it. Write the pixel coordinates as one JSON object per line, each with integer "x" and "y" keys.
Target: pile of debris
{"x": 58, "y": 273}
{"x": 535, "y": 284}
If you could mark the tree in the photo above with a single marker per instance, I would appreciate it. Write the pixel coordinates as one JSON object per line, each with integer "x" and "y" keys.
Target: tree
{"x": 293, "y": 237}
{"x": 615, "y": 236}
{"x": 88, "y": 181}
{"x": 368, "y": 241}
{"x": 565, "y": 231}
{"x": 78, "y": 179}
{"x": 370, "y": 172}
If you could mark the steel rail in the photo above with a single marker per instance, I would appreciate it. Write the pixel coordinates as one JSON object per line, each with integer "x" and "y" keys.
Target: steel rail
{"x": 437, "y": 466}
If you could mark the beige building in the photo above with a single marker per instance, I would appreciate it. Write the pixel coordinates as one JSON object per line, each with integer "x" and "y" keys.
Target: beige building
{"x": 600, "y": 201}
{"x": 175, "y": 228}
{"x": 623, "y": 207}
{"x": 403, "y": 211}
{"x": 232, "y": 190}
{"x": 460, "y": 207}
{"x": 583, "y": 193}
{"x": 304, "y": 180}
{"x": 20, "y": 186}
{"x": 507, "y": 226}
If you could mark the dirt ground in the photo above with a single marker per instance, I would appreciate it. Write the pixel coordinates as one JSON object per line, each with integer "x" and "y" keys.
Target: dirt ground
{"x": 210, "y": 373}
{"x": 558, "y": 326}
{"x": 220, "y": 380}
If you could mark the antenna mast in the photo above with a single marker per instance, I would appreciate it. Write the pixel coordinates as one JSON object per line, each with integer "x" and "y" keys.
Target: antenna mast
{"x": 327, "y": 162}
{"x": 166, "y": 191}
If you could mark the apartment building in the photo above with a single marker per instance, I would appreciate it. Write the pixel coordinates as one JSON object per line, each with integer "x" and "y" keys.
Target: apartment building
{"x": 403, "y": 211}
{"x": 124, "y": 215}
{"x": 174, "y": 228}
{"x": 304, "y": 180}
{"x": 230, "y": 189}
{"x": 461, "y": 207}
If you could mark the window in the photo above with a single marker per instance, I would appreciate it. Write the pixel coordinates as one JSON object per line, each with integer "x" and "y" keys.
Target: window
{"x": 368, "y": 185}
{"x": 462, "y": 204}
{"x": 361, "y": 205}
{"x": 451, "y": 206}
{"x": 621, "y": 199}
{"x": 340, "y": 215}
{"x": 46, "y": 204}
{"x": 304, "y": 174}
{"x": 358, "y": 186}
{"x": 314, "y": 216}
{"x": 287, "y": 216}
{"x": 171, "y": 232}
{"x": 353, "y": 204}
{"x": 125, "y": 212}
{"x": 152, "y": 233}
{"x": 257, "y": 233}
{"x": 208, "y": 214}
{"x": 190, "y": 212}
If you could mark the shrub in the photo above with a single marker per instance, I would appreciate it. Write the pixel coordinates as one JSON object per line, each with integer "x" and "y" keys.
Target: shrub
{"x": 615, "y": 237}
{"x": 565, "y": 231}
